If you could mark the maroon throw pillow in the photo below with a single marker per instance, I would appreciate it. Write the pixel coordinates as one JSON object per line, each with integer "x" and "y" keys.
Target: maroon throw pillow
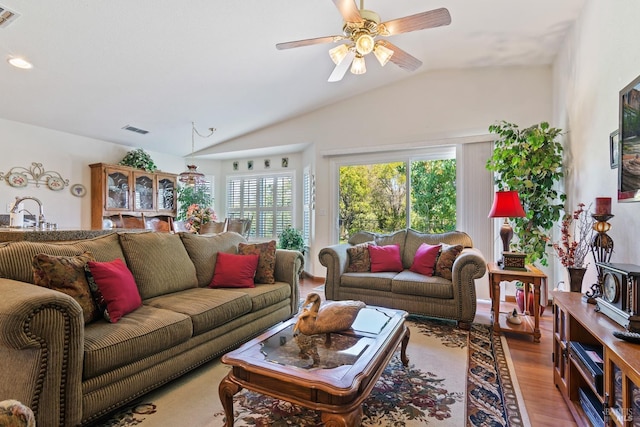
{"x": 234, "y": 271}
{"x": 424, "y": 262}
{"x": 265, "y": 273}
{"x": 385, "y": 258}
{"x": 117, "y": 288}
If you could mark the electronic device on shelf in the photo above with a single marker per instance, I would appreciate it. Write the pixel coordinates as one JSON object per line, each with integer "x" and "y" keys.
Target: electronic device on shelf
{"x": 620, "y": 299}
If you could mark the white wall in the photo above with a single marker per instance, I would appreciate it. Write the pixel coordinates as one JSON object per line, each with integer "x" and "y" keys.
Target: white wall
{"x": 67, "y": 154}
{"x": 599, "y": 59}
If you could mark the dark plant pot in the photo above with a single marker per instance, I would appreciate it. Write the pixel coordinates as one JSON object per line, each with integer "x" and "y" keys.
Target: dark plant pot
{"x": 520, "y": 301}
{"x": 575, "y": 278}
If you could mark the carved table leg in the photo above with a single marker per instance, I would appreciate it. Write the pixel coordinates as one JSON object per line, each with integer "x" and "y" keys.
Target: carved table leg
{"x": 403, "y": 347}
{"x": 227, "y": 389}
{"x": 350, "y": 419}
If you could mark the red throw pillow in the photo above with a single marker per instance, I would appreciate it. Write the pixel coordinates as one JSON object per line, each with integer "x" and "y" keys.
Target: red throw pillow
{"x": 117, "y": 287}
{"x": 385, "y": 258}
{"x": 234, "y": 271}
{"x": 424, "y": 262}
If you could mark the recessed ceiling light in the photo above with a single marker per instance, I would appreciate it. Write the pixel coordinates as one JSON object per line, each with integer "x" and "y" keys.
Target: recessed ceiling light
{"x": 20, "y": 63}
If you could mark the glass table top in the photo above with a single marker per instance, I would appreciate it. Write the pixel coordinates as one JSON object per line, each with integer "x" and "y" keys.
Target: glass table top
{"x": 325, "y": 351}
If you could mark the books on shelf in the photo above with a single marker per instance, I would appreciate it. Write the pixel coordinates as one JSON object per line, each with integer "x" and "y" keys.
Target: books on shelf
{"x": 591, "y": 406}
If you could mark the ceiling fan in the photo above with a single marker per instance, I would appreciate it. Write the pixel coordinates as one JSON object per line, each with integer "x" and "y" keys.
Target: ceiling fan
{"x": 362, "y": 28}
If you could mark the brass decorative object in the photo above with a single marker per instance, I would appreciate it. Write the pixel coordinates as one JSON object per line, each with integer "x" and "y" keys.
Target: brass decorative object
{"x": 601, "y": 249}
{"x": 19, "y": 177}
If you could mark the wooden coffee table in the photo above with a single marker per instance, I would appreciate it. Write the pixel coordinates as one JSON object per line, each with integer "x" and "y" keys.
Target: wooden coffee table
{"x": 331, "y": 376}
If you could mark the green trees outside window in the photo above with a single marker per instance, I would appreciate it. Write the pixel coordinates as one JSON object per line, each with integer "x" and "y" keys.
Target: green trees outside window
{"x": 374, "y": 197}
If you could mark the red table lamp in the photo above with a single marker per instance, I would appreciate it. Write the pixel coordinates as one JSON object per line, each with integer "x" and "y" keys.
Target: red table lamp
{"x": 506, "y": 204}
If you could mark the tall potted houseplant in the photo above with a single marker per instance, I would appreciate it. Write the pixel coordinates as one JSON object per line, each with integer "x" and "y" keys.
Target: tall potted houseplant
{"x": 530, "y": 162}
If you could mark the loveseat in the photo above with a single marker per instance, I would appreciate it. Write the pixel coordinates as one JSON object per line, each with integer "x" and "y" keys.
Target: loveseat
{"x": 448, "y": 294}
{"x": 71, "y": 373}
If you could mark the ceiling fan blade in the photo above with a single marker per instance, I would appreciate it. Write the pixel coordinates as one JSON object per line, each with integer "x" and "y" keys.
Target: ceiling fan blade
{"x": 341, "y": 69}
{"x": 308, "y": 42}
{"x": 419, "y": 21}
{"x": 349, "y": 10}
{"x": 401, "y": 58}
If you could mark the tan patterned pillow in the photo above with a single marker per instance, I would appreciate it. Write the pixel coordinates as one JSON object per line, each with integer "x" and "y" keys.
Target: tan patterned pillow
{"x": 266, "y": 261}
{"x": 359, "y": 259}
{"x": 66, "y": 274}
{"x": 447, "y": 257}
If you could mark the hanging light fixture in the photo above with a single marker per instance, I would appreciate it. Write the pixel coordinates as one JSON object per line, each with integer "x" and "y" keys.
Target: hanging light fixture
{"x": 191, "y": 176}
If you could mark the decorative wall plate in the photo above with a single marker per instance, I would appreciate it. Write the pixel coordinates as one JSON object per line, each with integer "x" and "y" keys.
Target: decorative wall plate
{"x": 55, "y": 183}
{"x": 78, "y": 190}
{"x": 17, "y": 179}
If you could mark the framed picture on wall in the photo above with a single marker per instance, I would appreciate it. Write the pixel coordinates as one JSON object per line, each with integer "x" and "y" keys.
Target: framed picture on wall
{"x": 614, "y": 152}
{"x": 629, "y": 145}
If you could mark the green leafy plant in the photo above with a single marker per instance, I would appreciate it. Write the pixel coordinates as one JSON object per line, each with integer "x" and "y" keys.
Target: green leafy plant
{"x": 529, "y": 161}
{"x": 191, "y": 195}
{"x": 139, "y": 159}
{"x": 291, "y": 238}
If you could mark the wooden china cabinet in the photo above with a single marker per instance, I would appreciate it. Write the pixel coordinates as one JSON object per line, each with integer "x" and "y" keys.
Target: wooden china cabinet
{"x": 122, "y": 190}
{"x": 612, "y": 385}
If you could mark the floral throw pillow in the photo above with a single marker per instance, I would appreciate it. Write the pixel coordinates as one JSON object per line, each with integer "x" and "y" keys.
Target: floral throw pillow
{"x": 266, "y": 261}
{"x": 448, "y": 255}
{"x": 66, "y": 274}
{"x": 359, "y": 258}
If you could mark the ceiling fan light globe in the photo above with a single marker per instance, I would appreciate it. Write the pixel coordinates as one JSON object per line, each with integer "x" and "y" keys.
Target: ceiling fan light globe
{"x": 338, "y": 53}
{"x": 383, "y": 54}
{"x": 358, "y": 65}
{"x": 364, "y": 44}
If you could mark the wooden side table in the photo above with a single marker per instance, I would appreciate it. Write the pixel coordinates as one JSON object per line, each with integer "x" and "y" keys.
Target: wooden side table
{"x": 532, "y": 276}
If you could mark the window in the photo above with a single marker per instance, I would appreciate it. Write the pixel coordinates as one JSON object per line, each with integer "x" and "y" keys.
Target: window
{"x": 383, "y": 197}
{"x": 307, "y": 204}
{"x": 267, "y": 200}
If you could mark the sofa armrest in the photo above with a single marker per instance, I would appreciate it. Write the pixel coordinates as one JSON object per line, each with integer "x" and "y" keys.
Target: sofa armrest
{"x": 469, "y": 265}
{"x": 289, "y": 266}
{"x": 335, "y": 259}
{"x": 41, "y": 351}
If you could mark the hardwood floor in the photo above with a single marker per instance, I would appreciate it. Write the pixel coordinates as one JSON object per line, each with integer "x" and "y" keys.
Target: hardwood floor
{"x": 532, "y": 363}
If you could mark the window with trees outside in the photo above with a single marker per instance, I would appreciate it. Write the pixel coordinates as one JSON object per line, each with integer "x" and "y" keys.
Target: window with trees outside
{"x": 266, "y": 199}
{"x": 385, "y": 197}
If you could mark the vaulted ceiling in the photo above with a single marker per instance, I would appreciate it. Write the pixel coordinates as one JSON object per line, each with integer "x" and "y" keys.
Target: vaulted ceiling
{"x": 100, "y": 65}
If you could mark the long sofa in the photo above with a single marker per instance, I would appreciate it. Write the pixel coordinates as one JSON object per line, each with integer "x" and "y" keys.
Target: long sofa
{"x": 71, "y": 373}
{"x": 429, "y": 295}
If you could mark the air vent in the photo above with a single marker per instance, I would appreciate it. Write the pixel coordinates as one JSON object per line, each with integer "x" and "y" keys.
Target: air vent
{"x": 136, "y": 130}
{"x": 6, "y": 16}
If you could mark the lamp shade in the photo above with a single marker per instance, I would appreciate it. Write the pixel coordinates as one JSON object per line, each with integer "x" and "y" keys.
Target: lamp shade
{"x": 506, "y": 204}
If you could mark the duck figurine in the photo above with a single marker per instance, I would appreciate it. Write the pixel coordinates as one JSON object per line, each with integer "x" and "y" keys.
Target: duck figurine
{"x": 329, "y": 317}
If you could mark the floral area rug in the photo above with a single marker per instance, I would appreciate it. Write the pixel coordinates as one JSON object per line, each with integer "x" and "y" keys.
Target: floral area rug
{"x": 454, "y": 378}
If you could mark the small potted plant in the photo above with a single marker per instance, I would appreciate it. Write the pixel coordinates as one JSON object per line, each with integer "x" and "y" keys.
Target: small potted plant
{"x": 291, "y": 238}
{"x": 198, "y": 216}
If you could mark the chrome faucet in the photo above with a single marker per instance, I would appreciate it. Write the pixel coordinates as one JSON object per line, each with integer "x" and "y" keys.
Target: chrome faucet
{"x": 40, "y": 221}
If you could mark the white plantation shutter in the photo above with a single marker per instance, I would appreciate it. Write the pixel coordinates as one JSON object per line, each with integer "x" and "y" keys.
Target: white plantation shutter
{"x": 267, "y": 199}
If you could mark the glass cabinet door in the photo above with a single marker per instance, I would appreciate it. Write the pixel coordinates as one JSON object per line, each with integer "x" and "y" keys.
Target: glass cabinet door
{"x": 117, "y": 190}
{"x": 143, "y": 192}
{"x": 166, "y": 193}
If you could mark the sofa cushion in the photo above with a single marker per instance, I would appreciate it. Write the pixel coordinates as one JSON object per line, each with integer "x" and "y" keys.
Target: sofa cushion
{"x": 266, "y": 262}
{"x": 66, "y": 274}
{"x": 411, "y": 283}
{"x": 207, "y": 308}
{"x": 159, "y": 262}
{"x": 375, "y": 281}
{"x": 16, "y": 257}
{"x": 234, "y": 271}
{"x": 203, "y": 250}
{"x": 265, "y": 295}
{"x": 114, "y": 288}
{"x": 140, "y": 334}
{"x": 424, "y": 262}
{"x": 444, "y": 265}
{"x": 385, "y": 258}
{"x": 359, "y": 258}
{"x": 415, "y": 239}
